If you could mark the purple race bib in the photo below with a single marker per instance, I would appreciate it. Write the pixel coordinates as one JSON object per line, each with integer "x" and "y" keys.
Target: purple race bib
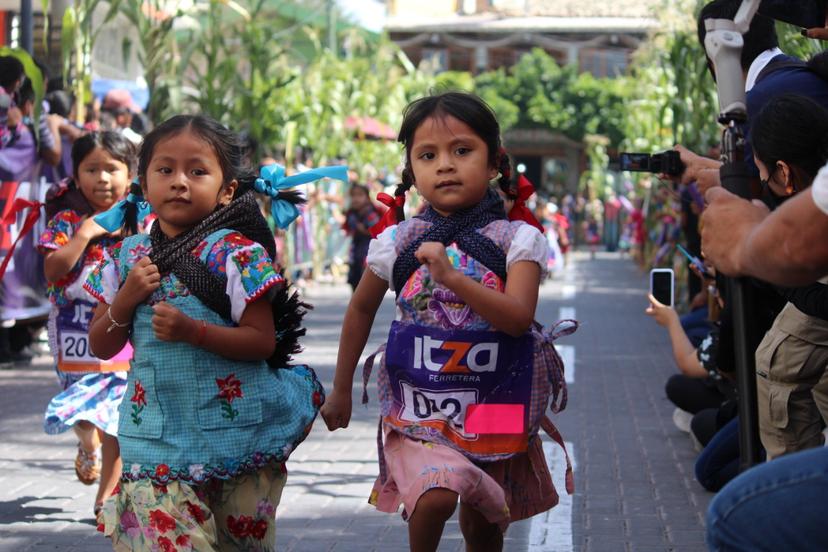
{"x": 472, "y": 386}
{"x": 74, "y": 354}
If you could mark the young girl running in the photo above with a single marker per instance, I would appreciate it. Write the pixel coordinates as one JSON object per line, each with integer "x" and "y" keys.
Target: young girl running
{"x": 212, "y": 410}
{"x": 467, "y": 281}
{"x": 73, "y": 242}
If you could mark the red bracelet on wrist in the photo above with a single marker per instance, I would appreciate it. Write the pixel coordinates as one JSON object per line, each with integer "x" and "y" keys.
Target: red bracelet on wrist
{"x": 202, "y": 331}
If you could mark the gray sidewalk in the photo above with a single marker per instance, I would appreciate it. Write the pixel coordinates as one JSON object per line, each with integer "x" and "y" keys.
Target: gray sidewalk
{"x": 634, "y": 478}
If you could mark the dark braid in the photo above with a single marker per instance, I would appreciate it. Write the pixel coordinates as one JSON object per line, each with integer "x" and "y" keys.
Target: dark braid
{"x": 67, "y": 196}
{"x": 402, "y": 188}
{"x": 131, "y": 213}
{"x": 504, "y": 167}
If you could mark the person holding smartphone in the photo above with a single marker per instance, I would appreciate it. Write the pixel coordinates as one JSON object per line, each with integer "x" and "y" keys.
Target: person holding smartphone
{"x": 699, "y": 386}
{"x": 768, "y": 72}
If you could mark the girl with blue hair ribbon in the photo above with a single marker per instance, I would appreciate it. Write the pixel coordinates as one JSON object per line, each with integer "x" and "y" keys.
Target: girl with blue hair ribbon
{"x": 72, "y": 243}
{"x": 213, "y": 409}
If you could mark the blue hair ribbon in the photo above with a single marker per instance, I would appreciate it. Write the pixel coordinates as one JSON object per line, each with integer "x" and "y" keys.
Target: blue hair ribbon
{"x": 113, "y": 219}
{"x": 272, "y": 179}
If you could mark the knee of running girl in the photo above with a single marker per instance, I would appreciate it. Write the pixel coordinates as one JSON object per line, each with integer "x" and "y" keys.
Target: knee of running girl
{"x": 479, "y": 532}
{"x": 436, "y": 504}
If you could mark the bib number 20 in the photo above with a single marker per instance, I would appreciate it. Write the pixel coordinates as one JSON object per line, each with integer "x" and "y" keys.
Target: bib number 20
{"x": 74, "y": 347}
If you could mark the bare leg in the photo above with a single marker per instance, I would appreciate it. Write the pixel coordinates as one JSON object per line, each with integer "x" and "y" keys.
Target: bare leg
{"x": 425, "y": 526}
{"x": 480, "y": 534}
{"x": 87, "y": 435}
{"x": 110, "y": 468}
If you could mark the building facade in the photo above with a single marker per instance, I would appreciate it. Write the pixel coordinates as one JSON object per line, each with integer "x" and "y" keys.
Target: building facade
{"x": 483, "y": 35}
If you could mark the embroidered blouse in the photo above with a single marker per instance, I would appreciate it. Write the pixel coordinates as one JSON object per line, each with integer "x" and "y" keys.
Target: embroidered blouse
{"x": 528, "y": 244}
{"x": 59, "y": 230}
{"x": 245, "y": 263}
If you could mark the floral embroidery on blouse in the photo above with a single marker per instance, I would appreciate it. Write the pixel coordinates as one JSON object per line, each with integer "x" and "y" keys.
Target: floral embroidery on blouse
{"x": 423, "y": 299}
{"x": 59, "y": 230}
{"x": 252, "y": 262}
{"x": 249, "y": 258}
{"x": 139, "y": 401}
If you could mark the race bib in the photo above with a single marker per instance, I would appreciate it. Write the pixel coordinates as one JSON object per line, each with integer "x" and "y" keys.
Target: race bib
{"x": 472, "y": 386}
{"x": 74, "y": 354}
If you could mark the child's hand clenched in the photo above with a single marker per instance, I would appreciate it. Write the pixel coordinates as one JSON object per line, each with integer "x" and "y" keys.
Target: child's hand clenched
{"x": 142, "y": 280}
{"x": 170, "y": 324}
{"x": 433, "y": 255}
{"x": 336, "y": 411}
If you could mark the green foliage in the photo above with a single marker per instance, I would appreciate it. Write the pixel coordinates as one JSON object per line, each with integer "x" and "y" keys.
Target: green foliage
{"x": 538, "y": 93}
{"x": 672, "y": 96}
{"x": 454, "y": 80}
{"x": 157, "y": 52}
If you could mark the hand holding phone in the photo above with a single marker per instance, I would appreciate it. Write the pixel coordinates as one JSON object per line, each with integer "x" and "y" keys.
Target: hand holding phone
{"x": 662, "y": 285}
{"x": 695, "y": 261}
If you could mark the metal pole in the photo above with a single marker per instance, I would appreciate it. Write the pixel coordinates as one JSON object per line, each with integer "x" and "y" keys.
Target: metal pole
{"x": 734, "y": 178}
{"x": 26, "y": 26}
{"x": 723, "y": 44}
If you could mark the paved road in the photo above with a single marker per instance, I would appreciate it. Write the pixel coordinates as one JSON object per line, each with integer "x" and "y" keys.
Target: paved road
{"x": 634, "y": 478}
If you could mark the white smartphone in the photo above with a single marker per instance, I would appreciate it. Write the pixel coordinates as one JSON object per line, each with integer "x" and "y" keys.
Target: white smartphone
{"x": 662, "y": 285}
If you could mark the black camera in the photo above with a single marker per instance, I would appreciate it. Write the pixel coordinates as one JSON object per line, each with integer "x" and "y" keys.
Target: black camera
{"x": 666, "y": 162}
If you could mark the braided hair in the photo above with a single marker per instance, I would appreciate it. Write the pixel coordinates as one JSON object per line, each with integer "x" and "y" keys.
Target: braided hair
{"x": 465, "y": 107}
{"x": 242, "y": 215}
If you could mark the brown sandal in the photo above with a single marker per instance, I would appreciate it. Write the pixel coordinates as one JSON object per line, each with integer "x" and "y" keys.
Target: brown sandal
{"x": 87, "y": 466}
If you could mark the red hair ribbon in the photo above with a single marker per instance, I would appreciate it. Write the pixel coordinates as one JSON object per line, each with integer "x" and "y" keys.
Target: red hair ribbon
{"x": 389, "y": 218}
{"x": 10, "y": 217}
{"x": 520, "y": 211}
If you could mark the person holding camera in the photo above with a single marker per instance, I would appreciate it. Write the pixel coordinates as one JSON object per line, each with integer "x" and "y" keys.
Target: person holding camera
{"x": 768, "y": 73}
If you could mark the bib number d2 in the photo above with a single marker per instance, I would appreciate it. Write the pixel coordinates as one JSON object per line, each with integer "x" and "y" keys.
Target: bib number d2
{"x": 437, "y": 377}
{"x": 421, "y": 405}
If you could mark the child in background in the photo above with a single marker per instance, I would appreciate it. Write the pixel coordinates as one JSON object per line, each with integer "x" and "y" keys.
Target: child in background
{"x": 361, "y": 216}
{"x": 212, "y": 409}
{"x": 461, "y": 269}
{"x": 73, "y": 242}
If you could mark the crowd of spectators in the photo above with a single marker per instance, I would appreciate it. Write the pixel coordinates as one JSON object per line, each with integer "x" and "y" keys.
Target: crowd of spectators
{"x": 35, "y": 153}
{"x": 767, "y": 242}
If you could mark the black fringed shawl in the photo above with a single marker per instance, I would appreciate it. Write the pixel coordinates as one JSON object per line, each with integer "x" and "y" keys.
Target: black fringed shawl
{"x": 174, "y": 255}
{"x": 461, "y": 228}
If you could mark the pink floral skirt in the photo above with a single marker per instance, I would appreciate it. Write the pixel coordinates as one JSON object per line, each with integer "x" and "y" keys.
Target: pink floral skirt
{"x": 237, "y": 514}
{"x": 504, "y": 491}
